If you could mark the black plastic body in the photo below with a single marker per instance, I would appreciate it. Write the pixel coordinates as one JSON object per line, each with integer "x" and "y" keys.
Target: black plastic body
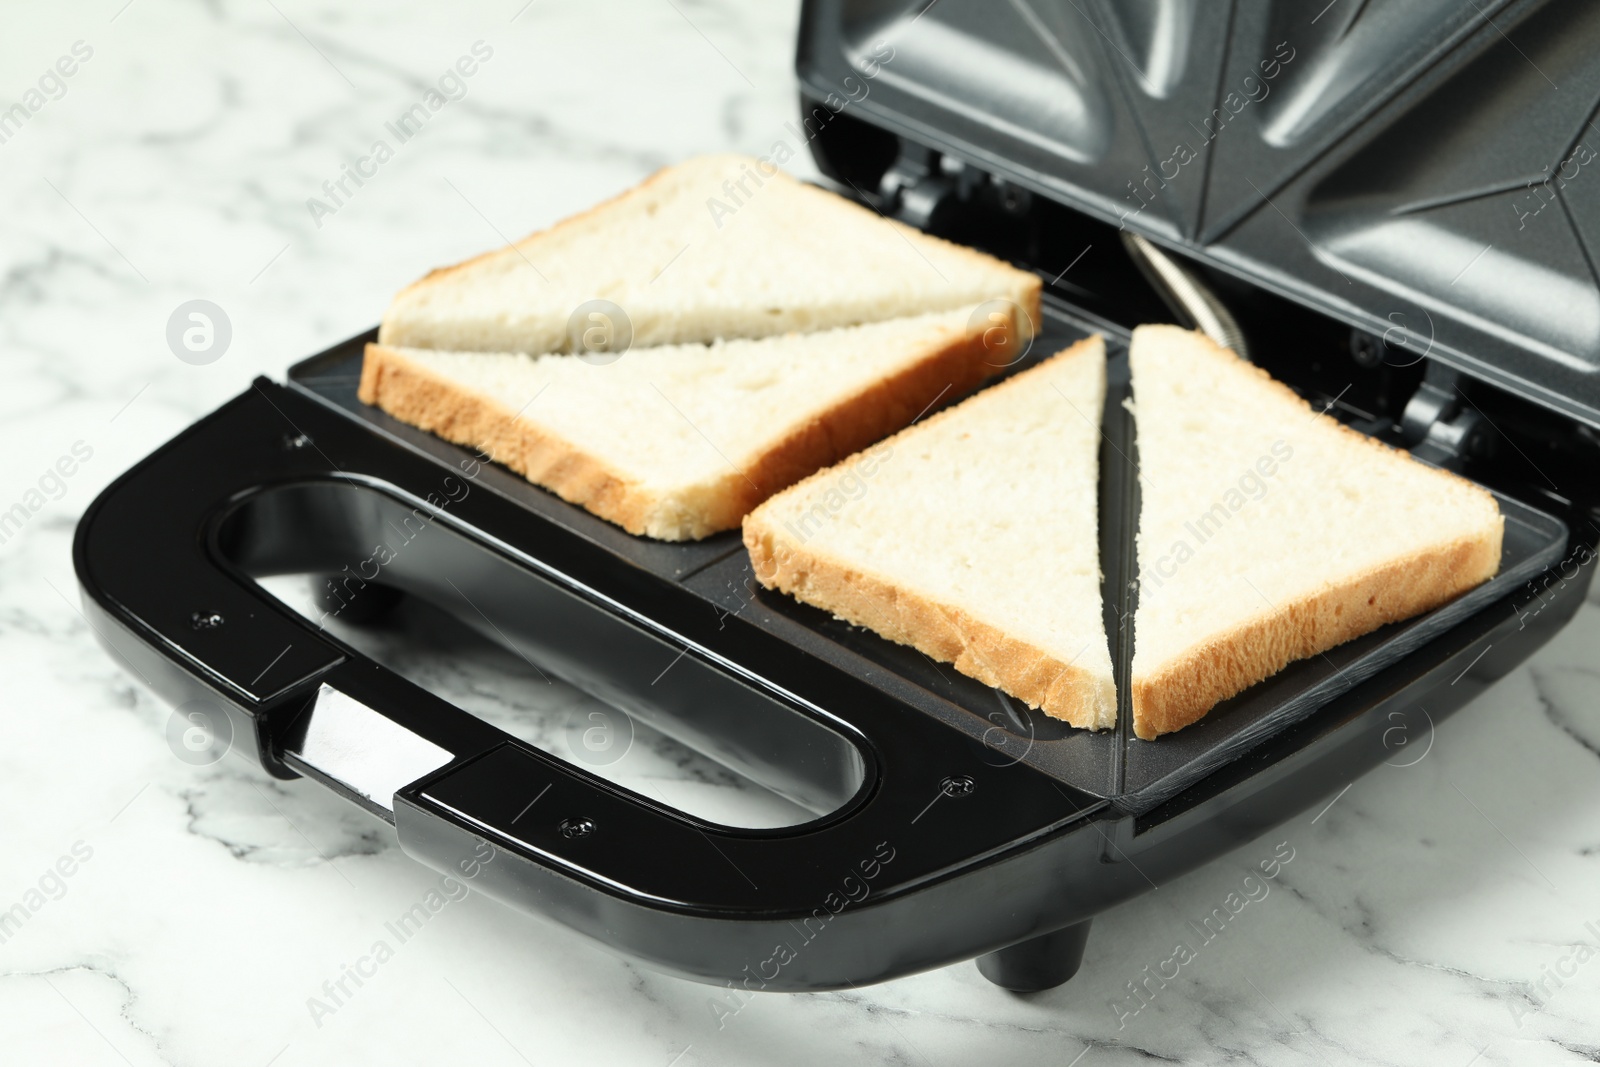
{"x": 901, "y": 873}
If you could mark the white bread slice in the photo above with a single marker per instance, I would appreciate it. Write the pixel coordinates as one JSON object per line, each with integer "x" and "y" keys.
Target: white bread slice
{"x": 1269, "y": 533}
{"x": 716, "y": 247}
{"x": 678, "y": 442}
{"x": 972, "y": 536}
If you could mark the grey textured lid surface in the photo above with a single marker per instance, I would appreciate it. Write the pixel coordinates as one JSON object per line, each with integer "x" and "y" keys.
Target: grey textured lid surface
{"x": 1426, "y": 169}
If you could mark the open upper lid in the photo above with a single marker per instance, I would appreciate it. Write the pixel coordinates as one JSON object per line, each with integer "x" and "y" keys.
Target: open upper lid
{"x": 1427, "y": 170}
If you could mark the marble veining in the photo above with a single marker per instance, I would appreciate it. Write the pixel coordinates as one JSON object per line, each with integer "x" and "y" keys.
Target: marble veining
{"x": 1437, "y": 913}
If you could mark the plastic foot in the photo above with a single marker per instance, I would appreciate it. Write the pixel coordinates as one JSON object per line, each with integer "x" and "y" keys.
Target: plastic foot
{"x": 1043, "y": 962}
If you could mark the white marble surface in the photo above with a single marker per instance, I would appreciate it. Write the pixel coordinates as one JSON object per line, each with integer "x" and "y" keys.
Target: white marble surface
{"x": 214, "y": 901}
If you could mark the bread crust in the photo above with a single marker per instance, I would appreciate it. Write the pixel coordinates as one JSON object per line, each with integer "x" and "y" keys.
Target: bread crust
{"x": 415, "y": 394}
{"x": 1184, "y": 689}
{"x": 1029, "y": 284}
{"x": 418, "y": 396}
{"x": 943, "y": 631}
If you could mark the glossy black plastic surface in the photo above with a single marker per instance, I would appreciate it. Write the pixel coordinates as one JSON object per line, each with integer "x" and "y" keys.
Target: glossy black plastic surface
{"x": 938, "y": 843}
{"x": 264, "y": 483}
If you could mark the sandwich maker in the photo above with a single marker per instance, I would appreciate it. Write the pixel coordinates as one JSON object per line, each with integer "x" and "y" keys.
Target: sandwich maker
{"x": 1388, "y": 206}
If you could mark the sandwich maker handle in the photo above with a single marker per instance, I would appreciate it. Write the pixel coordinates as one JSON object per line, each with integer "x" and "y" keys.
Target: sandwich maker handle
{"x": 168, "y": 605}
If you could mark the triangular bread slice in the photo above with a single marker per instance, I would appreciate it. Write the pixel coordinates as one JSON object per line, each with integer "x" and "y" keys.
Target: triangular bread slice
{"x": 716, "y": 247}
{"x": 1269, "y": 532}
{"x": 681, "y": 441}
{"x": 973, "y": 537}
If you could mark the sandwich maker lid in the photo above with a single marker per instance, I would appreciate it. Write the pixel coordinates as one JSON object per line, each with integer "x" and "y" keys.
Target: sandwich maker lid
{"x": 1425, "y": 170}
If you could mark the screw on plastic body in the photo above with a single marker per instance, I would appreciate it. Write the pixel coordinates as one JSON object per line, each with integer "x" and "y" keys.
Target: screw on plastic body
{"x": 581, "y": 826}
